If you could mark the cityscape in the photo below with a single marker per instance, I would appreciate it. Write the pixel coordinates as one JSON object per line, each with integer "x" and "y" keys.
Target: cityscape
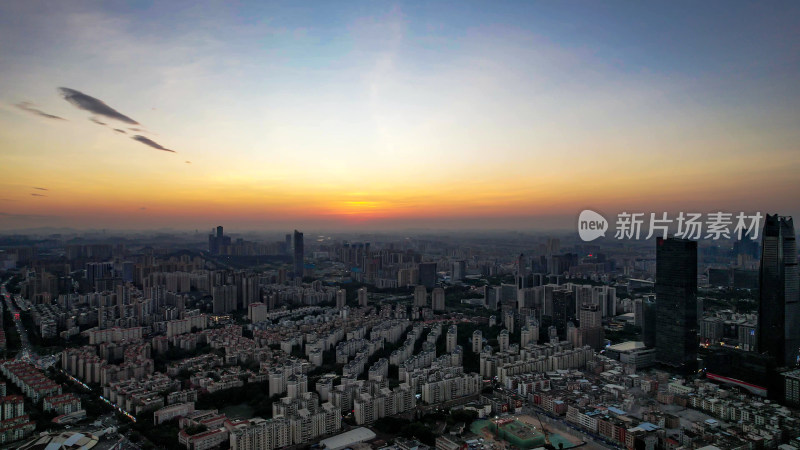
{"x": 399, "y": 225}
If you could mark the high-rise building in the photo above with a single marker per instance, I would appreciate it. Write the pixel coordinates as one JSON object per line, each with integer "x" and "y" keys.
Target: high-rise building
{"x": 451, "y": 338}
{"x": 223, "y": 299}
{"x": 213, "y": 248}
{"x": 533, "y": 326}
{"x": 503, "y": 340}
{"x": 526, "y": 336}
{"x": 791, "y": 388}
{"x": 427, "y": 274}
{"x": 591, "y": 316}
{"x": 563, "y": 309}
{"x": 437, "y": 299}
{"x": 574, "y": 335}
{"x": 459, "y": 270}
{"x": 606, "y": 298}
{"x": 638, "y": 312}
{"x": 420, "y": 296}
{"x": 552, "y": 333}
{"x": 676, "y": 303}
{"x": 522, "y": 273}
{"x": 298, "y": 254}
{"x": 779, "y": 300}
{"x": 591, "y": 328}
{"x": 341, "y": 298}
{"x": 508, "y": 321}
{"x": 257, "y": 312}
{"x": 477, "y": 341}
{"x": 649, "y": 313}
{"x": 363, "y": 298}
{"x": 217, "y": 241}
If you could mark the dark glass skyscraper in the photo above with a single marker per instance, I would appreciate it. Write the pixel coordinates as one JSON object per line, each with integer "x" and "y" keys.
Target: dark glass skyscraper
{"x": 427, "y": 274}
{"x": 563, "y": 310}
{"x": 779, "y": 305}
{"x": 676, "y": 303}
{"x": 522, "y": 273}
{"x": 298, "y": 254}
{"x": 217, "y": 241}
{"x": 650, "y": 313}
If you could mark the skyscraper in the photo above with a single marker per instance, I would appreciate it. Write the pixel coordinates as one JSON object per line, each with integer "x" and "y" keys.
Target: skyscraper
{"x": 563, "y": 309}
{"x": 649, "y": 313}
{"x": 522, "y": 273}
{"x": 779, "y": 304}
{"x": 427, "y": 274}
{"x": 217, "y": 241}
{"x": 676, "y": 303}
{"x": 592, "y": 326}
{"x": 298, "y": 254}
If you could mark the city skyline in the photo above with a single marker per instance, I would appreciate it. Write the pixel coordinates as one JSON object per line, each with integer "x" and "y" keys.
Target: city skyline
{"x": 394, "y": 115}
{"x": 399, "y": 225}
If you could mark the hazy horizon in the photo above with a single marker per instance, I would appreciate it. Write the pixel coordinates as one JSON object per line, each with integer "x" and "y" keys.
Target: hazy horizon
{"x": 368, "y": 115}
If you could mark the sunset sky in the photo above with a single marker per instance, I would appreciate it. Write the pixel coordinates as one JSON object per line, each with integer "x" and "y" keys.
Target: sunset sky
{"x": 391, "y": 114}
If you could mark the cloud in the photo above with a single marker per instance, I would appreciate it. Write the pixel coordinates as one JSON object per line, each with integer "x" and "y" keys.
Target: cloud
{"x": 40, "y": 188}
{"x": 27, "y": 106}
{"x": 143, "y": 208}
{"x": 120, "y": 131}
{"x": 151, "y": 143}
{"x": 142, "y": 130}
{"x": 188, "y": 162}
{"x": 94, "y": 119}
{"x": 96, "y": 106}
{"x": 38, "y": 195}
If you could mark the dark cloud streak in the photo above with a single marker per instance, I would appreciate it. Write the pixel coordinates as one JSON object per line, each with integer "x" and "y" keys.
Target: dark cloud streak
{"x": 93, "y": 105}
{"x": 40, "y": 188}
{"x": 27, "y": 106}
{"x": 94, "y": 119}
{"x": 151, "y": 143}
{"x": 120, "y": 131}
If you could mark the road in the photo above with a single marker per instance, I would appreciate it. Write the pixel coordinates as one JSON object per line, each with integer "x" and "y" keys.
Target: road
{"x": 27, "y": 353}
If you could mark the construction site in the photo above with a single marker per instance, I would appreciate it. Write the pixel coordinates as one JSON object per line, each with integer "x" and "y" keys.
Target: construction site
{"x": 522, "y": 432}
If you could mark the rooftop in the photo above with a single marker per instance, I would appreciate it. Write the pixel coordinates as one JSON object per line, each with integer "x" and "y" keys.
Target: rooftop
{"x": 347, "y": 439}
{"x": 627, "y": 346}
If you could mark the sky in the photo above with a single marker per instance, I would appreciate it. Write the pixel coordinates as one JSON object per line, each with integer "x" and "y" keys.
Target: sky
{"x": 514, "y": 115}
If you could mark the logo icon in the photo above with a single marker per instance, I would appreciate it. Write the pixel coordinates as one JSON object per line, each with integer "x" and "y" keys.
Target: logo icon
{"x": 591, "y": 225}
